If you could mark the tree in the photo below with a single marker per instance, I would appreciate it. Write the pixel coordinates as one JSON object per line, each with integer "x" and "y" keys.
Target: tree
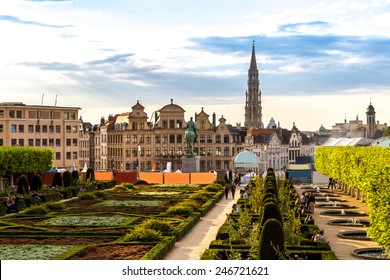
{"x": 57, "y": 180}
{"x": 67, "y": 178}
{"x": 386, "y": 132}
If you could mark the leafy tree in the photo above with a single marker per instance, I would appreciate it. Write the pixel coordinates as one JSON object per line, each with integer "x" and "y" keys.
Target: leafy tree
{"x": 90, "y": 175}
{"x": 386, "y": 132}
{"x": 75, "y": 177}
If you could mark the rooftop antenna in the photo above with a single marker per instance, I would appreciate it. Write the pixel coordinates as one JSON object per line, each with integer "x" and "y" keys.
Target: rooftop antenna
{"x": 55, "y": 103}
{"x": 42, "y": 98}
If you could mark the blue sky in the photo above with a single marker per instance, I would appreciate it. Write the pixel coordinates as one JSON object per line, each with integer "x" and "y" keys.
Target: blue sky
{"x": 319, "y": 61}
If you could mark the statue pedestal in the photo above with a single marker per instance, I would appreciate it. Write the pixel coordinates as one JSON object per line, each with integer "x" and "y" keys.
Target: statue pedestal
{"x": 190, "y": 164}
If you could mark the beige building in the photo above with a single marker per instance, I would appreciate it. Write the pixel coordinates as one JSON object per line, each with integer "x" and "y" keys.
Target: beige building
{"x": 52, "y": 127}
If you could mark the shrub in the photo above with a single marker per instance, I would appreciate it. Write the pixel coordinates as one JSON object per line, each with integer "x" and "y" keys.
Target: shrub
{"x": 87, "y": 196}
{"x": 130, "y": 186}
{"x": 36, "y": 182}
{"x": 57, "y": 179}
{"x": 143, "y": 234}
{"x": 37, "y": 210}
{"x": 271, "y": 211}
{"x": 200, "y": 196}
{"x": 90, "y": 175}
{"x": 55, "y": 206}
{"x": 75, "y": 176}
{"x": 162, "y": 226}
{"x": 120, "y": 188}
{"x": 271, "y": 241}
{"x": 179, "y": 210}
{"x": 141, "y": 182}
{"x": 22, "y": 185}
{"x": 213, "y": 188}
{"x": 67, "y": 179}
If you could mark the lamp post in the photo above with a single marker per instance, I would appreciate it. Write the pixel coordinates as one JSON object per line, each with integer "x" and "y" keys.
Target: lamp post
{"x": 139, "y": 161}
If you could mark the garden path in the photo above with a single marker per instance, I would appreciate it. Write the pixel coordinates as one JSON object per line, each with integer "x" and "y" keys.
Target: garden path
{"x": 197, "y": 240}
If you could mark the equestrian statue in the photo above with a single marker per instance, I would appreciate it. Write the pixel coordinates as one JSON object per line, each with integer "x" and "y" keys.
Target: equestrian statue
{"x": 190, "y": 138}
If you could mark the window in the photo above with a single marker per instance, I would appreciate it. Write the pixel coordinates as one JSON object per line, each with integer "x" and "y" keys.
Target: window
{"x": 141, "y": 138}
{"x": 134, "y": 139}
{"x": 209, "y": 151}
{"x": 30, "y": 128}
{"x": 74, "y": 142}
{"x": 44, "y": 128}
{"x": 37, "y": 128}
{"x": 157, "y": 152}
{"x": 44, "y": 142}
{"x": 134, "y": 126}
{"x": 66, "y": 115}
{"x": 148, "y": 139}
{"x": 218, "y": 139}
{"x": 51, "y": 128}
{"x": 172, "y": 138}
{"x": 179, "y": 138}
{"x": 13, "y": 128}
{"x": 18, "y": 114}
{"x": 209, "y": 138}
{"x": 58, "y": 129}
{"x": 179, "y": 124}
{"x": 68, "y": 129}
{"x": 171, "y": 123}
{"x": 202, "y": 151}
{"x": 74, "y": 155}
{"x": 158, "y": 139}
{"x": 226, "y": 164}
{"x": 165, "y": 139}
{"x": 51, "y": 142}
{"x": 58, "y": 142}
{"x": 12, "y": 114}
{"x": 37, "y": 142}
{"x": 1, "y": 128}
{"x": 226, "y": 151}
{"x": 58, "y": 155}
{"x": 148, "y": 151}
{"x": 68, "y": 142}
{"x": 32, "y": 114}
{"x": 164, "y": 124}
{"x": 226, "y": 138}
{"x": 218, "y": 151}
{"x": 202, "y": 138}
{"x": 202, "y": 124}
{"x": 13, "y": 142}
{"x": 1, "y": 113}
{"x": 218, "y": 164}
{"x": 31, "y": 142}
{"x": 72, "y": 116}
{"x": 68, "y": 155}
{"x": 1, "y": 142}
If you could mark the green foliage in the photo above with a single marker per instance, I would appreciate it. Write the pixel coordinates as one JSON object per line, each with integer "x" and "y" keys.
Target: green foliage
{"x": 67, "y": 179}
{"x": 162, "y": 226}
{"x": 57, "y": 179}
{"x": 271, "y": 211}
{"x": 386, "y": 132}
{"x": 75, "y": 176}
{"x": 180, "y": 210}
{"x": 87, "y": 196}
{"x": 141, "y": 233}
{"x": 368, "y": 170}
{"x": 129, "y": 186}
{"x": 36, "y": 182}
{"x": 25, "y": 160}
{"x": 37, "y": 210}
{"x": 213, "y": 188}
{"x": 141, "y": 182}
{"x": 120, "y": 188}
{"x": 22, "y": 185}
{"x": 54, "y": 206}
{"x": 271, "y": 241}
{"x": 90, "y": 175}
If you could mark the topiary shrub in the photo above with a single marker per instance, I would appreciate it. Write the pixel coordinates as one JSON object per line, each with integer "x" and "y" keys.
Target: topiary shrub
{"x": 37, "y": 210}
{"x": 87, "y": 196}
{"x": 36, "y": 182}
{"x": 180, "y": 210}
{"x": 213, "y": 188}
{"x": 129, "y": 186}
{"x": 55, "y": 206}
{"x": 67, "y": 179}
{"x": 271, "y": 211}
{"x": 57, "y": 180}
{"x": 22, "y": 185}
{"x": 75, "y": 177}
{"x": 90, "y": 175}
{"x": 271, "y": 241}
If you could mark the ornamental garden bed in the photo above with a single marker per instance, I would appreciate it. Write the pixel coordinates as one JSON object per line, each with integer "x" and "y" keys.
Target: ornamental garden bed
{"x": 107, "y": 224}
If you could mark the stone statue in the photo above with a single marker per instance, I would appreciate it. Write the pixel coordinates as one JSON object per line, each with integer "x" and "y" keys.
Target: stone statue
{"x": 190, "y": 138}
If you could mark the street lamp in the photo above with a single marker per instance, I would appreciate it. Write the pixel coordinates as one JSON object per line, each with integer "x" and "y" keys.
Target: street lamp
{"x": 139, "y": 160}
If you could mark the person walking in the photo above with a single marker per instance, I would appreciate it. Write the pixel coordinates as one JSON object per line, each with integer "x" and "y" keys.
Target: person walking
{"x": 227, "y": 189}
{"x": 233, "y": 190}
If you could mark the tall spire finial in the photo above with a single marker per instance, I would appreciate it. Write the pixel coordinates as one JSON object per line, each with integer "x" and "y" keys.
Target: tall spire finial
{"x": 253, "y": 43}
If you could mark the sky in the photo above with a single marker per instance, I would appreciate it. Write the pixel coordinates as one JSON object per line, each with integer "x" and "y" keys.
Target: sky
{"x": 319, "y": 62}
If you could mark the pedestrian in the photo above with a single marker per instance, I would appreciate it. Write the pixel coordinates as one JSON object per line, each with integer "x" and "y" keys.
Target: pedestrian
{"x": 320, "y": 236}
{"x": 235, "y": 208}
{"x": 311, "y": 201}
{"x": 233, "y": 190}
{"x": 227, "y": 189}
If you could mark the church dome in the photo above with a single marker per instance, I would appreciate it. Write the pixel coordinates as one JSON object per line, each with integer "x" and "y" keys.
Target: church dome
{"x": 322, "y": 128}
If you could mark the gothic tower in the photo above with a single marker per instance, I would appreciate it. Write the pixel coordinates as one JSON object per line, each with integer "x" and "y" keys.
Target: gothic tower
{"x": 253, "y": 95}
{"x": 370, "y": 121}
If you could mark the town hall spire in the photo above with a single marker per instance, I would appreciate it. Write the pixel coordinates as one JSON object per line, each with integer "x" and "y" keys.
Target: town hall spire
{"x": 253, "y": 114}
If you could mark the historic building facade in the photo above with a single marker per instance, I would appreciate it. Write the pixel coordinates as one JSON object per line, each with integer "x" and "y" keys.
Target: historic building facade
{"x": 52, "y": 127}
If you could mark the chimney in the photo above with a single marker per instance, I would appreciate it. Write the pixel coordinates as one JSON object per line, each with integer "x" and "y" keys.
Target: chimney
{"x": 110, "y": 117}
{"x": 102, "y": 121}
{"x": 214, "y": 120}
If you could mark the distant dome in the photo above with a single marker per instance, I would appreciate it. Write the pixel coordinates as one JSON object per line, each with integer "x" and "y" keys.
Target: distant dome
{"x": 322, "y": 128}
{"x": 271, "y": 123}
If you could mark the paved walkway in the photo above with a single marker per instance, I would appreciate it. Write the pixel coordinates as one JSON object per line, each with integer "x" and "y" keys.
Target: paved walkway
{"x": 340, "y": 246}
{"x": 197, "y": 240}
